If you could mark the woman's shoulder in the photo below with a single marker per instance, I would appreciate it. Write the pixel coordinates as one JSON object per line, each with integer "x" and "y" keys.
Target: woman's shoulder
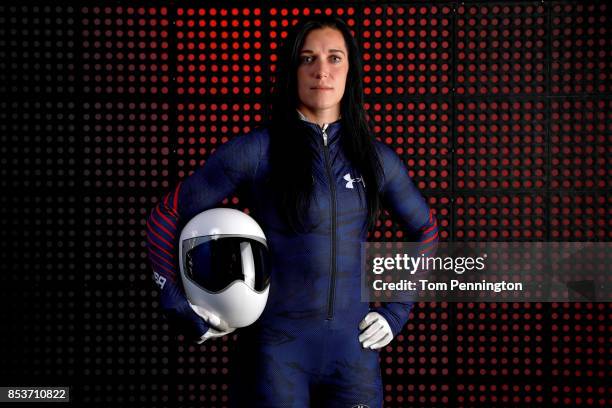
{"x": 390, "y": 162}
{"x": 259, "y": 135}
{"x": 385, "y": 152}
{"x": 255, "y": 142}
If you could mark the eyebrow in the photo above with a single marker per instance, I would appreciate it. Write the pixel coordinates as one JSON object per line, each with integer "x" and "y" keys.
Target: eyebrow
{"x": 330, "y": 50}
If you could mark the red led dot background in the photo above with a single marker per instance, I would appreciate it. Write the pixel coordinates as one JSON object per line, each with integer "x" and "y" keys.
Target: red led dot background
{"x": 501, "y": 111}
{"x": 219, "y": 51}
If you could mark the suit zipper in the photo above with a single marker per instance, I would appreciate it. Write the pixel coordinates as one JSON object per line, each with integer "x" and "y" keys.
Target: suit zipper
{"x": 332, "y": 186}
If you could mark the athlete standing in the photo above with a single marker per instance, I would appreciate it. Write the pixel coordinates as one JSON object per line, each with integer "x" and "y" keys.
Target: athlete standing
{"x": 315, "y": 180}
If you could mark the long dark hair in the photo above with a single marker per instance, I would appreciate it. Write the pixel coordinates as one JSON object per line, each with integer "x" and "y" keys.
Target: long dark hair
{"x": 290, "y": 152}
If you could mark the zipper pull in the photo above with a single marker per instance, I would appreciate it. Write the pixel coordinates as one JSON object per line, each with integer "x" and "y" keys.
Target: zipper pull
{"x": 323, "y": 129}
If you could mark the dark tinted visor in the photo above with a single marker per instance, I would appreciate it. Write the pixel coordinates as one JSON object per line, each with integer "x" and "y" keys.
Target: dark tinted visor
{"x": 215, "y": 262}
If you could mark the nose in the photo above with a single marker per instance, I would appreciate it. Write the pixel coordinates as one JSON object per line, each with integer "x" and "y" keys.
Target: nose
{"x": 320, "y": 70}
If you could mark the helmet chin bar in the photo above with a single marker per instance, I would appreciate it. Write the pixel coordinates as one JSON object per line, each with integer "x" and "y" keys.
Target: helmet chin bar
{"x": 237, "y": 305}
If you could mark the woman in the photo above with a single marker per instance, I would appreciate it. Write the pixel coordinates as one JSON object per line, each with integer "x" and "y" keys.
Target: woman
{"x": 315, "y": 180}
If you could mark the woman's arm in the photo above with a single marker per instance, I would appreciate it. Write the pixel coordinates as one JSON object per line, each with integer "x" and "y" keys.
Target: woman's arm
{"x": 408, "y": 206}
{"x": 233, "y": 164}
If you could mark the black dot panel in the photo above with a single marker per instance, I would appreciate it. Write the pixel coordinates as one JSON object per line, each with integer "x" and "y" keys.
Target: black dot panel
{"x": 580, "y": 342}
{"x": 413, "y": 393}
{"x": 501, "y": 49}
{"x": 220, "y": 51}
{"x": 501, "y": 340}
{"x": 580, "y": 217}
{"x": 37, "y": 49}
{"x": 580, "y": 135}
{"x": 422, "y": 348}
{"x": 38, "y": 144}
{"x": 8, "y": 232}
{"x": 504, "y": 394}
{"x": 124, "y": 334}
{"x": 203, "y": 394}
{"x": 581, "y": 48}
{"x": 114, "y": 239}
{"x": 40, "y": 296}
{"x": 407, "y": 49}
{"x": 500, "y": 217}
{"x": 580, "y": 395}
{"x": 11, "y": 235}
{"x": 121, "y": 336}
{"x": 125, "y": 50}
{"x": 124, "y": 394}
{"x": 127, "y": 144}
{"x": 501, "y": 144}
{"x": 210, "y": 358}
{"x": 420, "y": 133}
{"x": 45, "y": 227}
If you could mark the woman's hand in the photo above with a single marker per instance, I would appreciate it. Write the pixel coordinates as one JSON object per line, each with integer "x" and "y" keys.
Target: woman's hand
{"x": 217, "y": 326}
{"x": 376, "y": 332}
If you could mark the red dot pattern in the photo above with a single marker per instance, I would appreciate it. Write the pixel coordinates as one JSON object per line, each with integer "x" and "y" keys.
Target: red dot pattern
{"x": 500, "y": 394}
{"x": 281, "y": 19}
{"x": 501, "y": 144}
{"x": 581, "y": 48}
{"x": 500, "y": 217}
{"x": 580, "y": 217}
{"x": 501, "y": 49}
{"x": 580, "y": 342}
{"x": 580, "y": 136}
{"x": 506, "y": 339}
{"x": 407, "y": 50}
{"x": 219, "y": 51}
{"x": 420, "y": 133}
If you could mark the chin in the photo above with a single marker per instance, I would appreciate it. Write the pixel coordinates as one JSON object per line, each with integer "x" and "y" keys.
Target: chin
{"x": 321, "y": 105}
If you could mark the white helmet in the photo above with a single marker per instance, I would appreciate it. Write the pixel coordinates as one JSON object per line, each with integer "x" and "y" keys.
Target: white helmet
{"x": 223, "y": 259}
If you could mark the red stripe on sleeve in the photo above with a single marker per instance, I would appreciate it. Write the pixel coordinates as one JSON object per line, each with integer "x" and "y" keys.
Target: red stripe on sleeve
{"x": 176, "y": 194}
{"x": 153, "y": 243}
{"x": 168, "y": 220}
{"x": 157, "y": 235}
{"x": 171, "y": 233}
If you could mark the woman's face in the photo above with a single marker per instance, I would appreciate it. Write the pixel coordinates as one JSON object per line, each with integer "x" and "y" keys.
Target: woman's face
{"x": 322, "y": 72}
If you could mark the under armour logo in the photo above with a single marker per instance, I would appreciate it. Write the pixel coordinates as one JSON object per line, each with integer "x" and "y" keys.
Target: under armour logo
{"x": 350, "y": 181}
{"x": 360, "y": 406}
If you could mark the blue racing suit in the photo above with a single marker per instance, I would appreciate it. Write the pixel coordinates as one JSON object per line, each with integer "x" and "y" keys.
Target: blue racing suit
{"x": 304, "y": 349}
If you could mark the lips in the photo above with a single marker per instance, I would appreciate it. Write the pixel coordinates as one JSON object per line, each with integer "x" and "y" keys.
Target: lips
{"x": 322, "y": 88}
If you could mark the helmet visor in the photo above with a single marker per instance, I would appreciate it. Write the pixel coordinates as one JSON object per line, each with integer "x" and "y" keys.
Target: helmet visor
{"x": 214, "y": 262}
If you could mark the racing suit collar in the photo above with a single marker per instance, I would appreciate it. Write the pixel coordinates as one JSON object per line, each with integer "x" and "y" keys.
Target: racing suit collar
{"x": 332, "y": 129}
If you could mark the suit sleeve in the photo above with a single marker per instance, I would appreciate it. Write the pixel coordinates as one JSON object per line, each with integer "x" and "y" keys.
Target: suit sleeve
{"x": 231, "y": 165}
{"x": 407, "y": 205}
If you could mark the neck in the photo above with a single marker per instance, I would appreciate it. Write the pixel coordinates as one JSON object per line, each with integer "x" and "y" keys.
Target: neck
{"x": 319, "y": 117}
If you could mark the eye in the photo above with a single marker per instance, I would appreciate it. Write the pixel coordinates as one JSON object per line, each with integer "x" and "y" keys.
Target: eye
{"x": 306, "y": 59}
{"x": 336, "y": 59}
